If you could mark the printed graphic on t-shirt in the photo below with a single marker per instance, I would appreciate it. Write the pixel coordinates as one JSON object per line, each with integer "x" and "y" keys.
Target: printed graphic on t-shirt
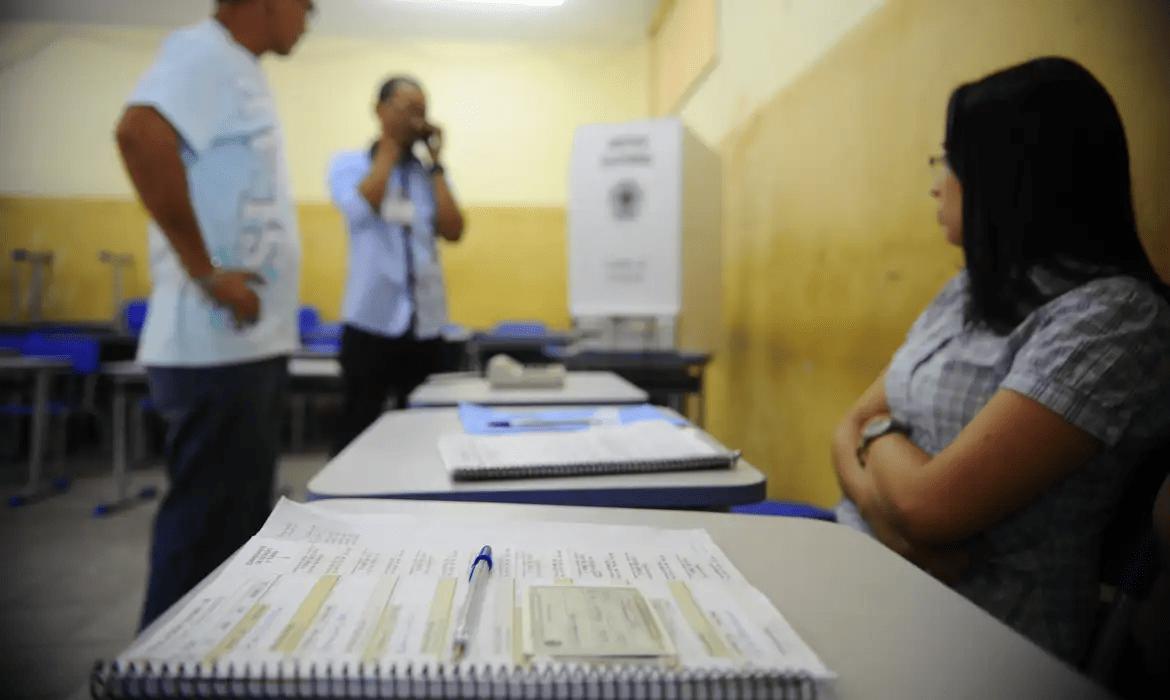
{"x": 261, "y": 227}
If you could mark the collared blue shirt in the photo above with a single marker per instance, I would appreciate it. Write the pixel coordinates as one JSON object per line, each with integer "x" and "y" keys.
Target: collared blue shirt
{"x": 214, "y": 93}
{"x": 378, "y": 298}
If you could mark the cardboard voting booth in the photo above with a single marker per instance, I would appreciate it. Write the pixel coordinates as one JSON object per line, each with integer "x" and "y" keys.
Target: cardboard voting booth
{"x": 644, "y": 236}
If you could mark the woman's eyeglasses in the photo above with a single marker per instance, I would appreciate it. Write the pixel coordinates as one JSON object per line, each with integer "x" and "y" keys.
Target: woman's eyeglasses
{"x": 939, "y": 161}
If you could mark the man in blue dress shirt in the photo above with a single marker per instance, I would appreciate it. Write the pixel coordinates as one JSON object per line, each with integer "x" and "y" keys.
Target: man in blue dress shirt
{"x": 201, "y": 141}
{"x": 395, "y": 207}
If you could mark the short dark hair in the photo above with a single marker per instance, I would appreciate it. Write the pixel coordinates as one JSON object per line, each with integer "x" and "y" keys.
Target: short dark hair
{"x": 1040, "y": 152}
{"x": 392, "y": 84}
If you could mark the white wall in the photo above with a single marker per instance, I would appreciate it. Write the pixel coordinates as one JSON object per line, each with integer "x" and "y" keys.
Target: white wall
{"x": 509, "y": 109}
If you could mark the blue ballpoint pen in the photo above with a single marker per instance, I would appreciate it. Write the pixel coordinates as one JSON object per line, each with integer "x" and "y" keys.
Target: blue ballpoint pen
{"x": 468, "y": 617}
{"x": 541, "y": 422}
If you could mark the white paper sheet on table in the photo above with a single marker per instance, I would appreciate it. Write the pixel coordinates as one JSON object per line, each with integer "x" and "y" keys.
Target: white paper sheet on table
{"x": 635, "y": 447}
{"x": 332, "y": 589}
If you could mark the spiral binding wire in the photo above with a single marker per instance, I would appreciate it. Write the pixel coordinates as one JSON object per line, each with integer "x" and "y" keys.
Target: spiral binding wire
{"x": 574, "y": 469}
{"x": 115, "y": 680}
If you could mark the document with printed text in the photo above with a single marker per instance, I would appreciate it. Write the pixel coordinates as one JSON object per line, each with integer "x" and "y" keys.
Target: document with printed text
{"x": 315, "y": 586}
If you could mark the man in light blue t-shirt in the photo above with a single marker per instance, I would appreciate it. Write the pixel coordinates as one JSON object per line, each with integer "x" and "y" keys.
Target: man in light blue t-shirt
{"x": 201, "y": 142}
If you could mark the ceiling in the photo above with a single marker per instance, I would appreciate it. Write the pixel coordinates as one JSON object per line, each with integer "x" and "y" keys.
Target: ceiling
{"x": 589, "y": 21}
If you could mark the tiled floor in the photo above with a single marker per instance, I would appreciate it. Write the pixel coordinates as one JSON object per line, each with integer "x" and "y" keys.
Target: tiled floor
{"x": 72, "y": 585}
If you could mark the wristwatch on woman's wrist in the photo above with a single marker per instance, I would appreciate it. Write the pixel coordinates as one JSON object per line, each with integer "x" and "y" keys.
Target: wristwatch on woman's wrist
{"x": 876, "y": 428}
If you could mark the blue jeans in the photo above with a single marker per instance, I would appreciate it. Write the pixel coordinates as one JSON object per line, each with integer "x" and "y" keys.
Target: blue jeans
{"x": 223, "y": 440}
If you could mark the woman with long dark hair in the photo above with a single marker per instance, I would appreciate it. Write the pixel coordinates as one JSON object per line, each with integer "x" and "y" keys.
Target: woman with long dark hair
{"x": 994, "y": 447}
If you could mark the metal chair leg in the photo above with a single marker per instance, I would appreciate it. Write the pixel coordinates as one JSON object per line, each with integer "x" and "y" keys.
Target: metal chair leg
{"x": 59, "y": 448}
{"x": 61, "y": 481}
{"x": 138, "y": 434}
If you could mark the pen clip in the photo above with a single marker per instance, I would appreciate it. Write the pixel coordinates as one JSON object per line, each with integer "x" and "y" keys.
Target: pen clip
{"x": 485, "y": 555}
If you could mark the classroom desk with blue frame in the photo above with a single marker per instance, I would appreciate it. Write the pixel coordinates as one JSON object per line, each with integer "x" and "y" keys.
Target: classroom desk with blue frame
{"x": 398, "y": 457}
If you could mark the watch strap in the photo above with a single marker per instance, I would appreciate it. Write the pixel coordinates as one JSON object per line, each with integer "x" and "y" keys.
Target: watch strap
{"x": 894, "y": 426}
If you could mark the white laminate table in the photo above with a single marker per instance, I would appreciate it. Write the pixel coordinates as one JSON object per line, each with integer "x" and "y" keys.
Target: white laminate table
{"x": 580, "y": 388}
{"x": 398, "y": 457}
{"x": 886, "y": 628}
{"x": 303, "y": 367}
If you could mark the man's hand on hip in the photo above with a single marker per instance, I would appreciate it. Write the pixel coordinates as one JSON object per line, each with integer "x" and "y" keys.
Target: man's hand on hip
{"x": 232, "y": 289}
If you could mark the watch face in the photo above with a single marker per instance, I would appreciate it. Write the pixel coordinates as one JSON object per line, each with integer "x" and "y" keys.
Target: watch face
{"x": 875, "y": 428}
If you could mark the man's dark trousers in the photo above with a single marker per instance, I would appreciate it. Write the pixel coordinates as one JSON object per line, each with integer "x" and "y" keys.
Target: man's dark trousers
{"x": 375, "y": 367}
{"x": 222, "y": 444}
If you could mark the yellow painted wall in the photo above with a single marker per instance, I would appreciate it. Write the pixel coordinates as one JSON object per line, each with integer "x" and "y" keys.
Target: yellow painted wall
{"x": 763, "y": 46}
{"x": 509, "y": 108}
{"x": 683, "y": 49}
{"x": 509, "y": 112}
{"x": 830, "y": 243}
{"x": 76, "y": 230}
{"x": 510, "y": 265}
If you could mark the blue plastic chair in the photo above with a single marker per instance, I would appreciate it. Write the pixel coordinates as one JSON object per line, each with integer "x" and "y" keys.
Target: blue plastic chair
{"x": 84, "y": 355}
{"x": 84, "y": 352}
{"x": 134, "y": 316}
{"x": 308, "y": 319}
{"x": 323, "y": 346}
{"x": 13, "y": 341}
{"x": 315, "y": 335}
{"x": 519, "y": 329}
{"x": 789, "y": 509}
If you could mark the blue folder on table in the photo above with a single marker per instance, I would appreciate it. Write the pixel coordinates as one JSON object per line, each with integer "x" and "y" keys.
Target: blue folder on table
{"x": 484, "y": 420}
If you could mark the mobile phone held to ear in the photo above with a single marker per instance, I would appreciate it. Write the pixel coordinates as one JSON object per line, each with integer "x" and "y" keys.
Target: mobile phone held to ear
{"x": 429, "y": 134}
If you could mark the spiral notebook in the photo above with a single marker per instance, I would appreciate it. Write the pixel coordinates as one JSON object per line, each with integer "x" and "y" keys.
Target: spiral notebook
{"x": 323, "y": 605}
{"x": 650, "y": 446}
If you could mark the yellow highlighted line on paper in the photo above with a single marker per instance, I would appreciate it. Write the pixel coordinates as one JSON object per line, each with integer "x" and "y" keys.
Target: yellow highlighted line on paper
{"x": 518, "y": 655}
{"x": 698, "y": 621}
{"x": 236, "y": 633}
{"x": 439, "y": 618}
{"x": 381, "y": 637}
{"x": 302, "y": 619}
{"x": 563, "y": 582}
{"x": 387, "y": 617}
